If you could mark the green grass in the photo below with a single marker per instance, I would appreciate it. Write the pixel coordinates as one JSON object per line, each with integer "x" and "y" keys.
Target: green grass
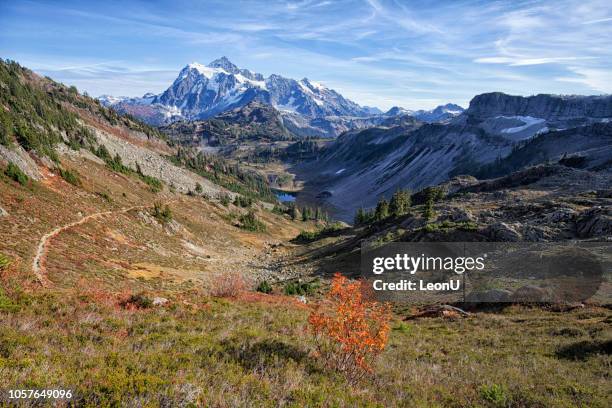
{"x": 71, "y": 176}
{"x": 14, "y": 172}
{"x": 310, "y": 236}
{"x": 250, "y": 222}
{"x": 444, "y": 226}
{"x": 227, "y": 353}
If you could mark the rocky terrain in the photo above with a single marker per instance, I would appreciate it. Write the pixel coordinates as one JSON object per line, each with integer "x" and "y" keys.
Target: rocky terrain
{"x": 497, "y": 134}
{"x": 545, "y": 203}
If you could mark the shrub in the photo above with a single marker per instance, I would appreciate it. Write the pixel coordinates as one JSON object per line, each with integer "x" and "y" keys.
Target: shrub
{"x": 105, "y": 196}
{"x": 241, "y": 201}
{"x": 155, "y": 184}
{"x": 70, "y": 176}
{"x": 4, "y": 261}
{"x": 198, "y": 188}
{"x": 137, "y": 301}
{"x": 14, "y": 172}
{"x": 7, "y": 304}
{"x": 309, "y": 236}
{"x": 162, "y": 212}
{"x": 250, "y": 222}
{"x": 300, "y": 288}
{"x": 228, "y": 285}
{"x": 494, "y": 394}
{"x": 353, "y": 332}
{"x": 225, "y": 199}
{"x": 264, "y": 287}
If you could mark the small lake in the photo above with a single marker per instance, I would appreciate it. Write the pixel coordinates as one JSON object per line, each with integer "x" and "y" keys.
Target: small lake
{"x": 284, "y": 196}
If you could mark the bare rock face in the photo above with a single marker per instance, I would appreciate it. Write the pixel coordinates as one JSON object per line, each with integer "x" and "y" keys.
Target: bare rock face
{"x": 459, "y": 182}
{"x": 540, "y": 106}
{"x": 503, "y": 232}
{"x": 538, "y": 233}
{"x": 594, "y": 222}
{"x": 21, "y": 159}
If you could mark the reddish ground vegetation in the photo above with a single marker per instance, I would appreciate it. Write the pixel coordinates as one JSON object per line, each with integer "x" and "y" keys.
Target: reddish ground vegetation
{"x": 353, "y": 331}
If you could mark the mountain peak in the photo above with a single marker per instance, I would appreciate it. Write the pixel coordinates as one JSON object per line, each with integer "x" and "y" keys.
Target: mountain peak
{"x": 225, "y": 64}
{"x": 398, "y": 110}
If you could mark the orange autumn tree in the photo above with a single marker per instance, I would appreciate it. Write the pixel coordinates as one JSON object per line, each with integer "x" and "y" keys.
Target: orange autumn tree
{"x": 352, "y": 331}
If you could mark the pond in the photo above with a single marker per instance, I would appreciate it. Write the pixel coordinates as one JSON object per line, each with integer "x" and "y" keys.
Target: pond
{"x": 284, "y": 196}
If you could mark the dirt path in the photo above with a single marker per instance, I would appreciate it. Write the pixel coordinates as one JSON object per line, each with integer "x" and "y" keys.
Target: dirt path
{"x": 41, "y": 252}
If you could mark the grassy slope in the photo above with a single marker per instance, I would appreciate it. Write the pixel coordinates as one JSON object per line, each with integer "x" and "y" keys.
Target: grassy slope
{"x": 251, "y": 352}
{"x": 205, "y": 240}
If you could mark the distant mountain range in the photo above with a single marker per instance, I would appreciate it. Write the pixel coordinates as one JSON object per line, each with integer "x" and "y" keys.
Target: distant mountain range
{"x": 439, "y": 114}
{"x": 496, "y": 135}
{"x": 307, "y": 107}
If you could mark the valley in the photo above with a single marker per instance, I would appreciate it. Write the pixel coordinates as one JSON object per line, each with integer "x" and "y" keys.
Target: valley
{"x": 178, "y": 263}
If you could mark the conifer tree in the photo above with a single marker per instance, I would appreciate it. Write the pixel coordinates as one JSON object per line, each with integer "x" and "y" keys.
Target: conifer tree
{"x": 382, "y": 210}
{"x": 428, "y": 210}
{"x": 400, "y": 203}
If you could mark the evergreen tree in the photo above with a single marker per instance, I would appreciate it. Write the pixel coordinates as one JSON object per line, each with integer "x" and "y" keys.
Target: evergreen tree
{"x": 400, "y": 203}
{"x": 428, "y": 210}
{"x": 360, "y": 217}
{"x": 382, "y": 210}
{"x": 294, "y": 212}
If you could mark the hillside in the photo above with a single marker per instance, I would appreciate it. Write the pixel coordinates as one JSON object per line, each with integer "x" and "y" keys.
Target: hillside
{"x": 85, "y": 191}
{"x": 498, "y": 134}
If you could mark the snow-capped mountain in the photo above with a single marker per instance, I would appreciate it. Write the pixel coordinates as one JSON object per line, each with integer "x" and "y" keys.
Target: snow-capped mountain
{"x": 397, "y": 111}
{"x": 202, "y": 91}
{"x": 439, "y": 114}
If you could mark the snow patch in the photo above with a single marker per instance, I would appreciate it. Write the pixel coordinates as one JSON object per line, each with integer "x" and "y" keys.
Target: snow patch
{"x": 528, "y": 121}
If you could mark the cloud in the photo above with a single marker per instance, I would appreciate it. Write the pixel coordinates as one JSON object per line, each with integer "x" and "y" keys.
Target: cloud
{"x": 595, "y": 79}
{"x": 600, "y": 20}
{"x": 518, "y": 62}
{"x": 378, "y": 52}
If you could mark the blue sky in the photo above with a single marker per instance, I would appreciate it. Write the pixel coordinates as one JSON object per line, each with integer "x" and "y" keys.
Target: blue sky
{"x": 381, "y": 53}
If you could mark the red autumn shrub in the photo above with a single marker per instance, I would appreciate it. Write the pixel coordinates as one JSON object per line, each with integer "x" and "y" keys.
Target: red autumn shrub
{"x": 228, "y": 285}
{"x": 353, "y": 331}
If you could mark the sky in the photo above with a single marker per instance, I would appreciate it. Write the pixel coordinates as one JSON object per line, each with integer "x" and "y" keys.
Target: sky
{"x": 415, "y": 54}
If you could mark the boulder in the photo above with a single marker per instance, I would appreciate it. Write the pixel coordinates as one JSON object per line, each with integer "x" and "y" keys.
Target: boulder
{"x": 561, "y": 215}
{"x": 531, "y": 293}
{"x": 3, "y": 212}
{"x": 594, "y": 222}
{"x": 462, "y": 215}
{"x": 503, "y": 232}
{"x": 489, "y": 296}
{"x": 159, "y": 301}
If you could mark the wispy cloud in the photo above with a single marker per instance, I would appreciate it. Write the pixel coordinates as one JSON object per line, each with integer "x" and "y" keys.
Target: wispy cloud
{"x": 377, "y": 52}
